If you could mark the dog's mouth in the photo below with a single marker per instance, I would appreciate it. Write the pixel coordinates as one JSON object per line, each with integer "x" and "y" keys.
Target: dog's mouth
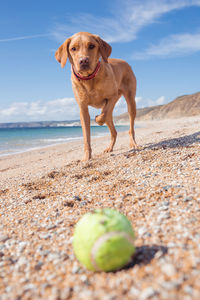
{"x": 84, "y": 67}
{"x": 85, "y": 73}
{"x": 85, "y": 70}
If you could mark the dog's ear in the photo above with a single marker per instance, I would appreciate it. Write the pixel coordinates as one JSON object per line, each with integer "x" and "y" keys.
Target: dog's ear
{"x": 105, "y": 48}
{"x": 62, "y": 53}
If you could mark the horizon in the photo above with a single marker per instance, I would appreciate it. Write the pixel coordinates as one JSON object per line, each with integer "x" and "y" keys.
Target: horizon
{"x": 159, "y": 39}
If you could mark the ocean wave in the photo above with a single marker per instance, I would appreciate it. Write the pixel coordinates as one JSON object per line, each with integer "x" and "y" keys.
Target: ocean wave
{"x": 57, "y": 140}
{"x": 75, "y": 124}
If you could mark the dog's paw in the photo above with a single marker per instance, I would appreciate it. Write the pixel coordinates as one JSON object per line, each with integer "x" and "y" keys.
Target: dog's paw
{"x": 109, "y": 149}
{"x": 100, "y": 120}
{"x": 133, "y": 145}
{"x": 87, "y": 156}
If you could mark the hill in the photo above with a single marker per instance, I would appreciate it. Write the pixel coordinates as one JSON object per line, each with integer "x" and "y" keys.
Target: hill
{"x": 183, "y": 106}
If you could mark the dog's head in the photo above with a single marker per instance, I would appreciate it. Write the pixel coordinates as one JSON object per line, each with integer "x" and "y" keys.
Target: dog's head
{"x": 83, "y": 50}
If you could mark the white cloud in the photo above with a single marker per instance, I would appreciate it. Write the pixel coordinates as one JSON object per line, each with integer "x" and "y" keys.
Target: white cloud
{"x": 138, "y": 99}
{"x": 59, "y": 109}
{"x": 26, "y": 37}
{"x": 177, "y": 44}
{"x": 145, "y": 102}
{"x": 121, "y": 106}
{"x": 125, "y": 22}
{"x": 159, "y": 101}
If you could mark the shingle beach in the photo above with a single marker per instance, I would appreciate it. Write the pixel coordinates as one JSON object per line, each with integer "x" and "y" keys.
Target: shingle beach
{"x": 43, "y": 193}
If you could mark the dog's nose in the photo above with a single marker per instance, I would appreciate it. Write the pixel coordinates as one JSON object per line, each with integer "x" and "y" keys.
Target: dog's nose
{"x": 84, "y": 61}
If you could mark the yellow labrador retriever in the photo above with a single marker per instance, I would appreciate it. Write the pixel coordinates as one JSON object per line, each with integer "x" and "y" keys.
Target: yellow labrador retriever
{"x": 98, "y": 81}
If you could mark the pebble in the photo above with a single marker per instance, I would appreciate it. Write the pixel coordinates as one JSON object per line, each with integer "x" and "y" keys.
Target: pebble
{"x": 156, "y": 229}
{"x": 83, "y": 278}
{"x": 21, "y": 246}
{"x": 45, "y": 236}
{"x": 68, "y": 203}
{"x": 158, "y": 255}
{"x": 65, "y": 293}
{"x": 171, "y": 245}
{"x": 83, "y": 203}
{"x": 170, "y": 285}
{"x": 188, "y": 289}
{"x": 26, "y": 201}
{"x": 38, "y": 266}
{"x": 29, "y": 286}
{"x": 147, "y": 293}
{"x": 142, "y": 231}
{"x": 163, "y": 208}
{"x": 167, "y": 187}
{"x": 52, "y": 256}
{"x": 163, "y": 216}
{"x": 187, "y": 199}
{"x": 51, "y": 226}
{"x": 3, "y": 238}
{"x": 168, "y": 269}
{"x": 178, "y": 196}
{"x": 51, "y": 277}
{"x": 75, "y": 269}
{"x": 134, "y": 292}
{"x": 77, "y": 198}
{"x": 22, "y": 262}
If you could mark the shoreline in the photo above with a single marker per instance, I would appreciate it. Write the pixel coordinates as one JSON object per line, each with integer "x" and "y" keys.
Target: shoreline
{"x": 41, "y": 147}
{"x": 65, "y": 140}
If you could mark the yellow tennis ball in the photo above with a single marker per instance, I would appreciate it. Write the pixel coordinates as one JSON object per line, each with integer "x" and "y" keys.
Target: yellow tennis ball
{"x": 104, "y": 240}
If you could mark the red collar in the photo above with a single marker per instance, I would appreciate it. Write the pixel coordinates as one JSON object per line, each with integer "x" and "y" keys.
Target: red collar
{"x": 80, "y": 77}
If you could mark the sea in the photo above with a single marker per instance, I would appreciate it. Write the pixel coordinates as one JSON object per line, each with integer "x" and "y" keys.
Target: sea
{"x": 18, "y": 140}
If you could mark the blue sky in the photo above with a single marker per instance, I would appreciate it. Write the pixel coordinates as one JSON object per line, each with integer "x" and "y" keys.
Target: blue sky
{"x": 159, "y": 39}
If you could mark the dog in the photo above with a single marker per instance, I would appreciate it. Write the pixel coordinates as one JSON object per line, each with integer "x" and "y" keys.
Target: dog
{"x": 98, "y": 81}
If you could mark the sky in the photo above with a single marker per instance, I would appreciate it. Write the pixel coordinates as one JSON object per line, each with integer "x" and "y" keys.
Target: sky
{"x": 159, "y": 39}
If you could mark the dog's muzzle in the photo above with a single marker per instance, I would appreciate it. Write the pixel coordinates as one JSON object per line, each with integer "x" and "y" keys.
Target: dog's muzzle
{"x": 84, "y": 63}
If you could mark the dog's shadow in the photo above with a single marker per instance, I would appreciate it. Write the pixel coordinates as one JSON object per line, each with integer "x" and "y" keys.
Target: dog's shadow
{"x": 183, "y": 141}
{"x": 144, "y": 255}
{"x": 180, "y": 142}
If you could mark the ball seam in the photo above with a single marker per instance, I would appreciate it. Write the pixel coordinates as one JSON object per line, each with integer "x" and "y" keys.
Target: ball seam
{"x": 104, "y": 238}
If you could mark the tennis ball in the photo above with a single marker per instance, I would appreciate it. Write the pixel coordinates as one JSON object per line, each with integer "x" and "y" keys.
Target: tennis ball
{"x": 103, "y": 240}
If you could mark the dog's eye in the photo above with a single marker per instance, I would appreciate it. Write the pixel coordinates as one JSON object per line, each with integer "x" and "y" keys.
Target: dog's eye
{"x": 91, "y": 46}
{"x": 74, "y": 49}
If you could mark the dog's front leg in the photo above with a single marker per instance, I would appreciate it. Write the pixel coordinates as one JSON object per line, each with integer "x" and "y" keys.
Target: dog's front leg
{"x": 85, "y": 123}
{"x": 100, "y": 120}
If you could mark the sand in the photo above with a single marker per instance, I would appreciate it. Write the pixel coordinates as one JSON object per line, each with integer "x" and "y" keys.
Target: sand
{"x": 44, "y": 192}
